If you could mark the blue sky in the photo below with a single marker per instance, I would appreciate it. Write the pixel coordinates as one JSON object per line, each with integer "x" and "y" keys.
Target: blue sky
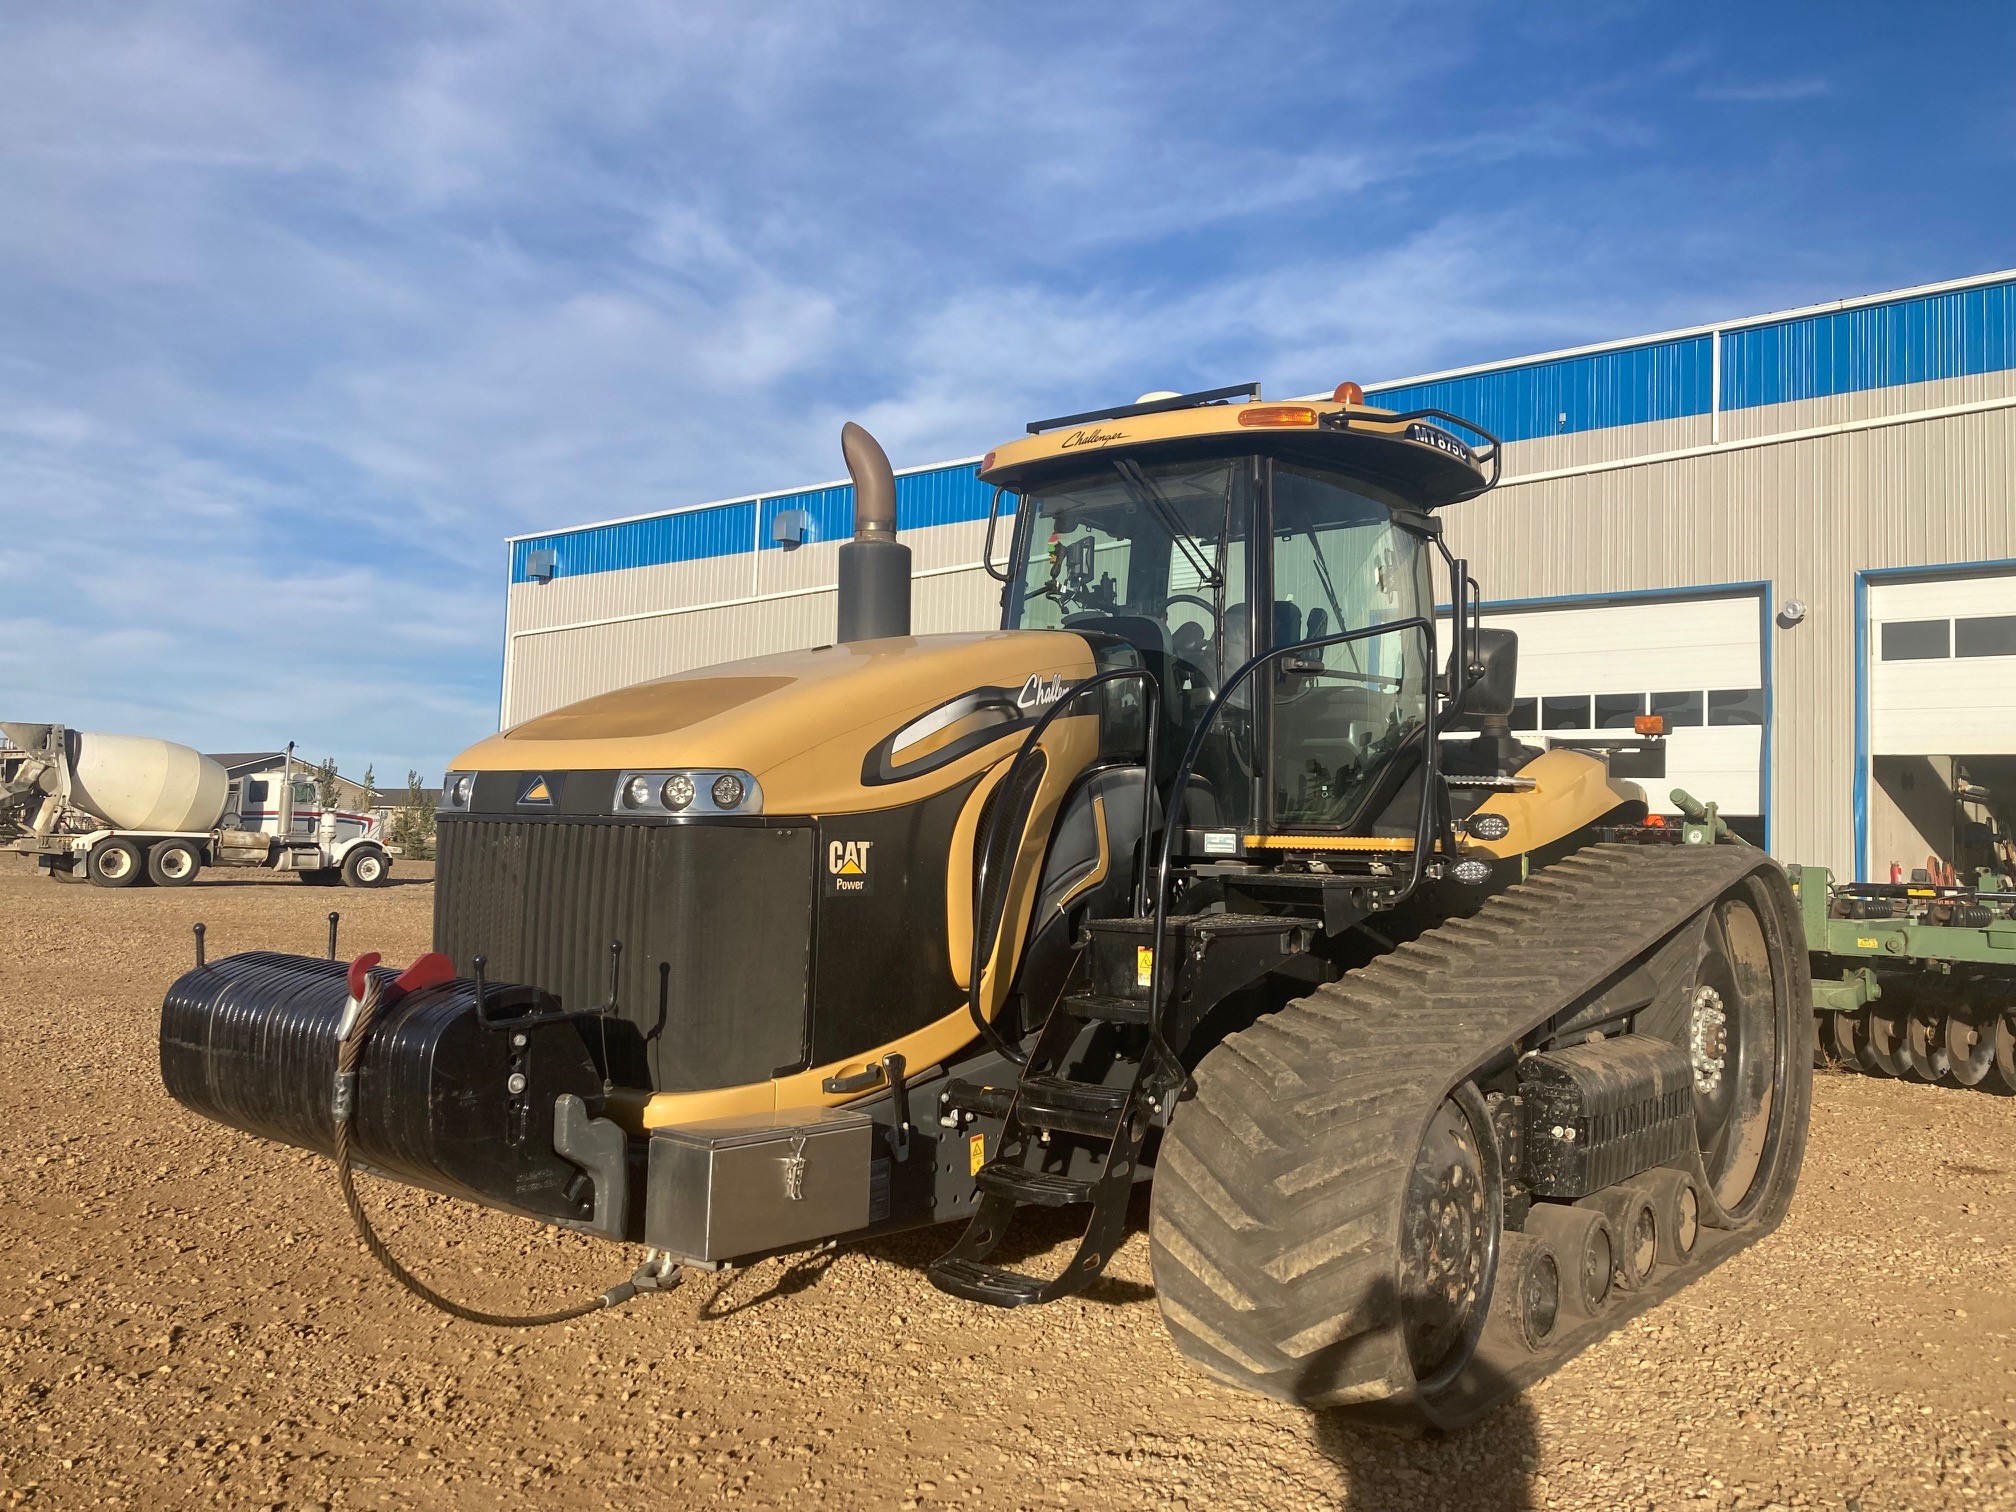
{"x": 304, "y": 308}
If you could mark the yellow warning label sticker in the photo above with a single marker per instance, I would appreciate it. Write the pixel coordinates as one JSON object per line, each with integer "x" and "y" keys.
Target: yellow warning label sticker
{"x": 976, "y": 1154}
{"x": 1144, "y": 965}
{"x": 1865, "y": 942}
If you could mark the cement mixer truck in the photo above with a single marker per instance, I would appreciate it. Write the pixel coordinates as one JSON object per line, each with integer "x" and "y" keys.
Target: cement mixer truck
{"x": 121, "y": 810}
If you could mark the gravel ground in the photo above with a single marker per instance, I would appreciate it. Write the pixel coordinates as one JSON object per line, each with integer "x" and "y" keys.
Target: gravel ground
{"x": 189, "y": 1321}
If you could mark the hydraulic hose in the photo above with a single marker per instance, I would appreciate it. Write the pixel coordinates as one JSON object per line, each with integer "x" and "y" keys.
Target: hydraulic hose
{"x": 657, "y": 1273}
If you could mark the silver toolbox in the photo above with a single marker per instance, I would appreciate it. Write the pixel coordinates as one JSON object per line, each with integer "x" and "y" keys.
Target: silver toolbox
{"x": 731, "y": 1187}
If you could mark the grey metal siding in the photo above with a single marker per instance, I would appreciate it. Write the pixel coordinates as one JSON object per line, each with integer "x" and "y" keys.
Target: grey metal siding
{"x": 1803, "y": 516}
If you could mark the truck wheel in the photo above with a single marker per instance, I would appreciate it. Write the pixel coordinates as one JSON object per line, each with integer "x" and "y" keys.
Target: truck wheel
{"x": 117, "y": 863}
{"x": 70, "y": 871}
{"x": 365, "y": 867}
{"x": 173, "y": 863}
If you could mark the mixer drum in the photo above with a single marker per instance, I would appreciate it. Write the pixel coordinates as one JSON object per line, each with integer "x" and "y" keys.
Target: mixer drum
{"x": 442, "y": 1101}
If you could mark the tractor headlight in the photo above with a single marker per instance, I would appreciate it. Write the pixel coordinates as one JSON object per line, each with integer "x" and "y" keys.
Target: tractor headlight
{"x": 691, "y": 794}
{"x": 457, "y": 788}
{"x": 1488, "y": 826}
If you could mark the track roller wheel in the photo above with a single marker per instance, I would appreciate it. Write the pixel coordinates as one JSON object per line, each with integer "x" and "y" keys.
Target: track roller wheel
{"x": 1526, "y": 1298}
{"x": 1581, "y": 1238}
{"x": 1676, "y": 1201}
{"x": 1633, "y": 1217}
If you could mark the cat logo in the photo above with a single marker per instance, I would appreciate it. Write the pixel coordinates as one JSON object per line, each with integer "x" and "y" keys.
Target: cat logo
{"x": 536, "y": 795}
{"x": 847, "y": 866}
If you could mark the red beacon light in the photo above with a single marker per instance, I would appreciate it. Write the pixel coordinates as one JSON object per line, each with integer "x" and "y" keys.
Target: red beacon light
{"x": 1347, "y": 393}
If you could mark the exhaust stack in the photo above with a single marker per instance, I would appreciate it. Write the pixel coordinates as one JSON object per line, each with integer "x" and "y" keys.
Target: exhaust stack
{"x": 874, "y": 566}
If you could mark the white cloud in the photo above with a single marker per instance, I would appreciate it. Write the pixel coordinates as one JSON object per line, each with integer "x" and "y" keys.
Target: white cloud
{"x": 306, "y": 309}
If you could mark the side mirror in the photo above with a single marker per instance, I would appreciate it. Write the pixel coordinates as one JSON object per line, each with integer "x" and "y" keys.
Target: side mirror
{"x": 1497, "y": 653}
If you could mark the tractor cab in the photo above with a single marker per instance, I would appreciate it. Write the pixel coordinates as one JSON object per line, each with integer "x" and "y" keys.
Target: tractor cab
{"x": 1273, "y": 567}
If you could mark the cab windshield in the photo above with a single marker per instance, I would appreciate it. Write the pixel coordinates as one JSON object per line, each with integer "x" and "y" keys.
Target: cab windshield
{"x": 1150, "y": 553}
{"x": 1157, "y": 554}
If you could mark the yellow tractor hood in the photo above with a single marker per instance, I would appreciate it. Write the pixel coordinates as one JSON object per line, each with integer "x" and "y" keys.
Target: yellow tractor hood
{"x": 803, "y": 723}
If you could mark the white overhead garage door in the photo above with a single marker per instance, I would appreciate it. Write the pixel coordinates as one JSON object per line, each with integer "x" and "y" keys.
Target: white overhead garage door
{"x": 1942, "y": 667}
{"x": 1587, "y": 670}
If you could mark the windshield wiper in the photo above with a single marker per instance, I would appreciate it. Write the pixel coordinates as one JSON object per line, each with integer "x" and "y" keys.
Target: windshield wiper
{"x": 1145, "y": 492}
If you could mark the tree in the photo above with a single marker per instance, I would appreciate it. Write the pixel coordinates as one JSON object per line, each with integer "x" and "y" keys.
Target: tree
{"x": 325, "y": 782}
{"x": 370, "y": 800}
{"x": 413, "y": 825}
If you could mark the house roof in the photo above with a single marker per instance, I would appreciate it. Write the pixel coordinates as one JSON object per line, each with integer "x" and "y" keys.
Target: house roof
{"x": 236, "y": 762}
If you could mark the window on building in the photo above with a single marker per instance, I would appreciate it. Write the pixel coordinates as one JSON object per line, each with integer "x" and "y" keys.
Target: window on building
{"x": 1679, "y": 710}
{"x": 1525, "y": 713}
{"x": 1615, "y": 711}
{"x": 1985, "y": 635}
{"x": 1917, "y": 640}
{"x": 1736, "y": 706}
{"x": 1569, "y": 712}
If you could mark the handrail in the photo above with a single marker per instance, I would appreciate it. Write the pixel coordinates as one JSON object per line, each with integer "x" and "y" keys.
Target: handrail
{"x": 984, "y": 844}
{"x": 1493, "y": 451}
{"x": 1184, "y": 768}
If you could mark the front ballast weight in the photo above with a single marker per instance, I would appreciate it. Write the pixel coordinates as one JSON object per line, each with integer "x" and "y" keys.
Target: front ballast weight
{"x": 411, "y": 1075}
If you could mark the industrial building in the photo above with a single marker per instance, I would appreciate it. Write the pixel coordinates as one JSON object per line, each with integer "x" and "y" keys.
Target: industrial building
{"x": 1793, "y": 535}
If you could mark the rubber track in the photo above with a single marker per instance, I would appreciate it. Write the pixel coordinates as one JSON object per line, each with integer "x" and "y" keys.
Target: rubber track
{"x": 1277, "y": 1193}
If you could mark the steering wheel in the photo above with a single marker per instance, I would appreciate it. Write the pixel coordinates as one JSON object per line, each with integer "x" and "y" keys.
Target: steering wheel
{"x": 1190, "y": 641}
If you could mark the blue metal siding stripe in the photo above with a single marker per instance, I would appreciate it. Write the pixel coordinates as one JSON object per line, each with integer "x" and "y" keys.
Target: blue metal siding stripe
{"x": 723, "y": 530}
{"x": 1664, "y": 381}
{"x": 939, "y": 496}
{"x": 1954, "y": 335}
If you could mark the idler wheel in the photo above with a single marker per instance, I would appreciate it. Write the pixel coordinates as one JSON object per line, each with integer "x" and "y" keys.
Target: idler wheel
{"x": 1450, "y": 1225}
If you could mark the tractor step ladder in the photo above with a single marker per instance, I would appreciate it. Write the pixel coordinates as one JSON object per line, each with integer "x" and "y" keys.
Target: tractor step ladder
{"x": 1045, "y": 1112}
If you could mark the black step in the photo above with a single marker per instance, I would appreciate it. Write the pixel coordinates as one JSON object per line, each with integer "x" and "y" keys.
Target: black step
{"x": 1020, "y": 1184}
{"x": 985, "y": 1283}
{"x": 1105, "y": 1006}
{"x": 1068, "y": 1107}
{"x": 977, "y": 1097}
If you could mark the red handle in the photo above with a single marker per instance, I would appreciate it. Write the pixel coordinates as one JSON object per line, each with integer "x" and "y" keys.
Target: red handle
{"x": 358, "y": 969}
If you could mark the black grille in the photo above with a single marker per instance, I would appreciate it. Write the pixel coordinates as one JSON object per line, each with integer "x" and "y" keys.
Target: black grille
{"x": 715, "y": 922}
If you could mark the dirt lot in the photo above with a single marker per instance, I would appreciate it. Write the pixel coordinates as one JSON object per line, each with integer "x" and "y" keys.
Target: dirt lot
{"x": 188, "y": 1320}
